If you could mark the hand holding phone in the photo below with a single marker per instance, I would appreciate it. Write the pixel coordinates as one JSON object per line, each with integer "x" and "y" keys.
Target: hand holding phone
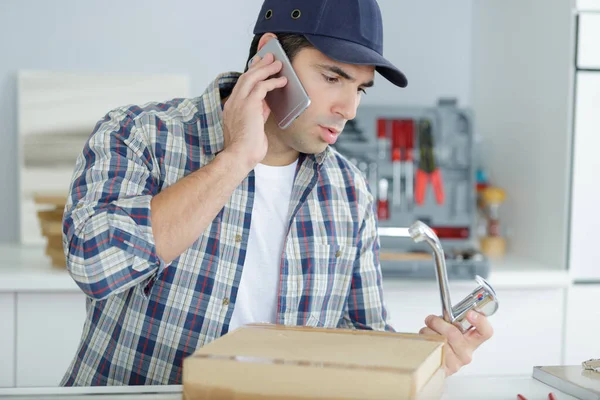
{"x": 245, "y": 112}
{"x": 288, "y": 102}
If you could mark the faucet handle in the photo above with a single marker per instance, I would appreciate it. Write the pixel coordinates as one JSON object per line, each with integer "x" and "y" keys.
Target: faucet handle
{"x": 483, "y": 300}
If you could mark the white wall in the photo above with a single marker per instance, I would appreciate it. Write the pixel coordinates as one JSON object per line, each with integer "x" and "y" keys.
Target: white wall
{"x": 588, "y": 5}
{"x": 521, "y": 84}
{"x": 430, "y": 40}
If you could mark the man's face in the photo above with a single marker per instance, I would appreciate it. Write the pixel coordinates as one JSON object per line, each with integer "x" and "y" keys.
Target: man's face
{"x": 335, "y": 90}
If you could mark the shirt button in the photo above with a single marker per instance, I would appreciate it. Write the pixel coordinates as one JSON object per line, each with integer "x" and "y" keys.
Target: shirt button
{"x": 226, "y": 301}
{"x": 238, "y": 238}
{"x": 338, "y": 253}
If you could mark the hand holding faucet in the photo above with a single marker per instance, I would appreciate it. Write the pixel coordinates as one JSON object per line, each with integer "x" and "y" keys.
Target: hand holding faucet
{"x": 460, "y": 346}
{"x": 465, "y": 325}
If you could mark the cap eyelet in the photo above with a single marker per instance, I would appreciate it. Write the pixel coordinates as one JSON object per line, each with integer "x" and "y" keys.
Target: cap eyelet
{"x": 268, "y": 14}
{"x": 296, "y": 14}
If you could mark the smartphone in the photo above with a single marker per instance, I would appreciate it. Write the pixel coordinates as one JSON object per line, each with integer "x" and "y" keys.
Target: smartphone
{"x": 288, "y": 102}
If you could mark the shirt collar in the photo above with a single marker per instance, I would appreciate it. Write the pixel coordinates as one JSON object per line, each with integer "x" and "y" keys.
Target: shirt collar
{"x": 211, "y": 111}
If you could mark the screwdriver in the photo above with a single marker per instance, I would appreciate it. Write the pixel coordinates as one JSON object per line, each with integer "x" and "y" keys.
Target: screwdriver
{"x": 396, "y": 176}
{"x": 408, "y": 163}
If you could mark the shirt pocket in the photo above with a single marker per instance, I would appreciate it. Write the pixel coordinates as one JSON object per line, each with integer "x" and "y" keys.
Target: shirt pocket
{"x": 333, "y": 262}
{"x": 328, "y": 283}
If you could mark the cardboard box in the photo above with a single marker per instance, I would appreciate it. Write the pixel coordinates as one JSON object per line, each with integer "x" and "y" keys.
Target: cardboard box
{"x": 262, "y": 361}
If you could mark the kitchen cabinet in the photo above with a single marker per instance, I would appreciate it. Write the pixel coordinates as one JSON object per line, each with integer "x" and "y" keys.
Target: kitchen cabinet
{"x": 588, "y": 51}
{"x": 42, "y": 313}
{"x": 585, "y": 197}
{"x": 521, "y": 340}
{"x": 583, "y": 324}
{"x": 7, "y": 340}
{"x": 49, "y": 327}
{"x": 583, "y": 260}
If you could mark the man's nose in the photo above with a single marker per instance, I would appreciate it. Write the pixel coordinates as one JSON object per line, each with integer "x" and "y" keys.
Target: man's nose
{"x": 347, "y": 105}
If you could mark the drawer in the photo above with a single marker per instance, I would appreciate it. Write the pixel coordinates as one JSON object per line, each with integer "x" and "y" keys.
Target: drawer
{"x": 50, "y": 327}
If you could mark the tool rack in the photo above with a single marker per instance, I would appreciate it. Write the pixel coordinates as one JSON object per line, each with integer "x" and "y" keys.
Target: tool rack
{"x": 419, "y": 163}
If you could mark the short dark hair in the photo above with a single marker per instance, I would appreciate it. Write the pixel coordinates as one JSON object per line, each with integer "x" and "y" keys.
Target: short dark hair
{"x": 292, "y": 43}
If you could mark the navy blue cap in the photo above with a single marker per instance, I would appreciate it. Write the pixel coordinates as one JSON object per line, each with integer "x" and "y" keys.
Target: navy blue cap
{"x": 348, "y": 31}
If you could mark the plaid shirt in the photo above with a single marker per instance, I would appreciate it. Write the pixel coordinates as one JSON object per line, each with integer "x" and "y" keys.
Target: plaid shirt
{"x": 144, "y": 316}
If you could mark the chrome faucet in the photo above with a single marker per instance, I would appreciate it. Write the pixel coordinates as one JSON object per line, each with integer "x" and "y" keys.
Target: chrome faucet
{"x": 483, "y": 299}
{"x": 420, "y": 232}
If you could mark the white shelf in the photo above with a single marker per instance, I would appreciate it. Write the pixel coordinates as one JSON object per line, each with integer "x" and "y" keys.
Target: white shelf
{"x": 26, "y": 269}
{"x": 509, "y": 273}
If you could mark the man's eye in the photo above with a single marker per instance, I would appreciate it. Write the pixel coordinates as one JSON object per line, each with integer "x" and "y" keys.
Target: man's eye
{"x": 362, "y": 90}
{"x": 330, "y": 79}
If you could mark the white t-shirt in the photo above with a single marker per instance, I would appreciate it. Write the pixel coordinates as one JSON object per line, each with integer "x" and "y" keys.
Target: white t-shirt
{"x": 257, "y": 295}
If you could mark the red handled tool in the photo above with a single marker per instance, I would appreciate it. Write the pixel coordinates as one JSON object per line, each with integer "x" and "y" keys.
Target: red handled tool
{"x": 383, "y": 207}
{"x": 427, "y": 169}
{"x": 403, "y": 134}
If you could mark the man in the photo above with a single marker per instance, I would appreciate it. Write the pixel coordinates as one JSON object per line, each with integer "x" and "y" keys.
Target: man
{"x": 189, "y": 218}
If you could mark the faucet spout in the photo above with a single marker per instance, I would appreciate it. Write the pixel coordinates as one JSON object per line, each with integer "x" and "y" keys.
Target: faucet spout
{"x": 421, "y": 232}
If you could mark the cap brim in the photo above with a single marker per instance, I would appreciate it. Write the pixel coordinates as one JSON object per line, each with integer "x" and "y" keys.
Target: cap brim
{"x": 354, "y": 53}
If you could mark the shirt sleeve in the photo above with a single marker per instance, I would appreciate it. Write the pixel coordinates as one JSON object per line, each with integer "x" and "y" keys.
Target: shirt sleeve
{"x": 365, "y": 307}
{"x": 107, "y": 230}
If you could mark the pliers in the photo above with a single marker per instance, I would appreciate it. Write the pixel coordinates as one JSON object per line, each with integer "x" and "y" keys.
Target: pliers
{"x": 427, "y": 168}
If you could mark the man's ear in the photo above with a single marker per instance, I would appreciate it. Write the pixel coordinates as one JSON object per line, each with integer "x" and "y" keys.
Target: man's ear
{"x": 264, "y": 39}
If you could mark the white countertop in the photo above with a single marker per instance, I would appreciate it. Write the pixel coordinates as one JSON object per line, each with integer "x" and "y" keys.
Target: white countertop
{"x": 508, "y": 273}
{"x": 25, "y": 269}
{"x": 457, "y": 388}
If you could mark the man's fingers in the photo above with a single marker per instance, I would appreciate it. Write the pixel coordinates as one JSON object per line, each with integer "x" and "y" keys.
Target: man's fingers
{"x": 428, "y": 331}
{"x": 461, "y": 344}
{"x": 257, "y": 60}
{"x": 452, "y": 333}
{"x": 483, "y": 329}
{"x": 253, "y": 63}
{"x": 264, "y": 68}
{"x": 456, "y": 340}
{"x": 262, "y": 88}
